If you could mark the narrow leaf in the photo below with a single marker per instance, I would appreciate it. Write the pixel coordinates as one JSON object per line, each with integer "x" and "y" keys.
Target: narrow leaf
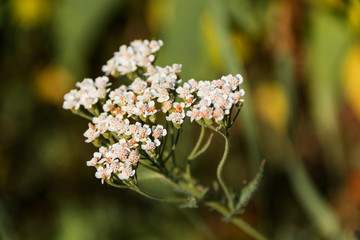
{"x": 248, "y": 192}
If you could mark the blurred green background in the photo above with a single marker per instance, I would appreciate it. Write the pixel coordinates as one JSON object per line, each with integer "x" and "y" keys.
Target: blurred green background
{"x": 301, "y": 63}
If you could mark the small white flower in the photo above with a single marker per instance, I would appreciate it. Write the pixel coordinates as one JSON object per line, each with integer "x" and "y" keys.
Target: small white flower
{"x": 148, "y": 146}
{"x": 145, "y": 96}
{"x": 130, "y": 109}
{"x": 175, "y": 68}
{"x": 237, "y": 96}
{"x": 157, "y": 142}
{"x": 194, "y": 115}
{"x": 87, "y": 101}
{"x": 158, "y": 131}
{"x": 176, "y": 117}
{"x": 138, "y": 86}
{"x": 87, "y": 84}
{"x": 179, "y": 107}
{"x": 126, "y": 173}
{"x": 162, "y": 95}
{"x": 206, "y": 113}
{"x": 108, "y": 106}
{"x": 114, "y": 123}
{"x": 129, "y": 58}
{"x": 142, "y": 133}
{"x": 132, "y": 129}
{"x": 94, "y": 160}
{"x": 133, "y": 157}
{"x": 72, "y": 100}
{"x": 101, "y": 122}
{"x": 116, "y": 166}
{"x": 141, "y": 109}
{"x": 91, "y": 133}
{"x": 124, "y": 127}
{"x": 185, "y": 91}
{"x": 103, "y": 173}
{"x": 119, "y": 96}
{"x": 110, "y": 67}
{"x": 218, "y": 114}
{"x": 103, "y": 150}
{"x": 166, "y": 106}
{"x": 193, "y": 83}
{"x": 102, "y": 82}
{"x": 233, "y": 81}
{"x": 219, "y": 83}
{"x": 151, "y": 110}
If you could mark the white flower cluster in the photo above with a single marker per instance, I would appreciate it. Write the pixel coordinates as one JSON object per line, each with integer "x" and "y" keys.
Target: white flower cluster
{"x": 129, "y": 58}
{"x": 117, "y": 159}
{"x": 140, "y": 98}
{"x": 154, "y": 93}
{"x": 120, "y": 157}
{"x": 89, "y": 93}
{"x": 212, "y": 99}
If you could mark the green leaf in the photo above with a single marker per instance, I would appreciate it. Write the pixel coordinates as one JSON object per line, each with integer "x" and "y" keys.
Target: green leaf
{"x": 204, "y": 148}
{"x": 248, "y": 192}
{"x": 156, "y": 183}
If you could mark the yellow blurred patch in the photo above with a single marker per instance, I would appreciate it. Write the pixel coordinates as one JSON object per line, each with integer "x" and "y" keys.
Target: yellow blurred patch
{"x": 159, "y": 14}
{"x": 242, "y": 45}
{"x": 51, "y": 84}
{"x": 271, "y": 104}
{"x": 351, "y": 78}
{"x": 211, "y": 40}
{"x": 29, "y": 13}
{"x": 354, "y": 15}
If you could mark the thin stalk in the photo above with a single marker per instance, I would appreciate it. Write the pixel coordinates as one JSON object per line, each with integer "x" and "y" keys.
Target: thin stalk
{"x": 197, "y": 145}
{"x": 163, "y": 145}
{"x": 84, "y": 115}
{"x": 133, "y": 187}
{"x": 194, "y": 151}
{"x": 242, "y": 224}
{"x": 149, "y": 166}
{"x": 219, "y": 174}
{"x": 236, "y": 115}
{"x": 170, "y": 200}
{"x": 115, "y": 136}
{"x": 173, "y": 148}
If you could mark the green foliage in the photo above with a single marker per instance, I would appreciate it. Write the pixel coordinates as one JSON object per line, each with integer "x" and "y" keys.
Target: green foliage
{"x": 248, "y": 192}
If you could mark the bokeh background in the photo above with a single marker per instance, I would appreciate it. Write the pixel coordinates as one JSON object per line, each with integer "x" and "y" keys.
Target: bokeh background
{"x": 301, "y": 63}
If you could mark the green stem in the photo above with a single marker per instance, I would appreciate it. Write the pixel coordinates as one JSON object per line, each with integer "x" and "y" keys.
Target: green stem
{"x": 84, "y": 115}
{"x": 163, "y": 145}
{"x": 173, "y": 148}
{"x": 194, "y": 151}
{"x": 197, "y": 145}
{"x": 135, "y": 188}
{"x": 235, "y": 117}
{"x": 219, "y": 173}
{"x": 148, "y": 166}
{"x": 242, "y": 224}
{"x": 239, "y": 222}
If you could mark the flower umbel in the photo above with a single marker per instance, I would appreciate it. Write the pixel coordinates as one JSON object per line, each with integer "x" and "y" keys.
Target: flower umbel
{"x": 139, "y": 122}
